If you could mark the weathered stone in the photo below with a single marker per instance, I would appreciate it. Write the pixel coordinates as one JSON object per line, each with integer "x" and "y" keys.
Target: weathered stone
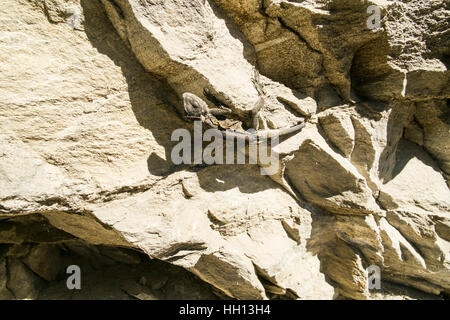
{"x": 404, "y": 264}
{"x": 91, "y": 96}
{"x": 327, "y": 179}
{"x": 284, "y": 264}
{"x": 414, "y": 133}
{"x": 417, "y": 185}
{"x": 45, "y": 261}
{"x": 391, "y": 67}
{"x": 22, "y": 282}
{"x": 208, "y": 240}
{"x": 120, "y": 255}
{"x": 433, "y": 117}
{"x": 32, "y": 228}
{"x": 442, "y": 227}
{"x": 339, "y": 129}
{"x": 200, "y": 52}
{"x": 5, "y": 294}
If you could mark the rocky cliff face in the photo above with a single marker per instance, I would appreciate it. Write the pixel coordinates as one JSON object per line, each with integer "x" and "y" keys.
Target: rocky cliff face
{"x": 91, "y": 93}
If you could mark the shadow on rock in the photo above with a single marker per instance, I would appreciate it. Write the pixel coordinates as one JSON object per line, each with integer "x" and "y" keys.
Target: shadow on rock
{"x": 153, "y": 102}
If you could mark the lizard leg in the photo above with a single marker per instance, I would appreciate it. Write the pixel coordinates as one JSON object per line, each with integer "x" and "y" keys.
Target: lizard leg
{"x": 209, "y": 122}
{"x": 255, "y": 113}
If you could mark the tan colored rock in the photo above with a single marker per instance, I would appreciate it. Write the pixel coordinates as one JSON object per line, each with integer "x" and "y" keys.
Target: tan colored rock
{"x": 420, "y": 231}
{"x": 120, "y": 255}
{"x": 21, "y": 230}
{"x": 59, "y": 11}
{"x": 297, "y": 29}
{"x": 89, "y": 106}
{"x": 270, "y": 37}
{"x": 45, "y": 261}
{"x": 442, "y": 227}
{"x": 5, "y": 294}
{"x": 362, "y": 233}
{"x": 417, "y": 185}
{"x": 414, "y": 133}
{"x": 392, "y": 66}
{"x": 378, "y": 130}
{"x": 85, "y": 227}
{"x": 342, "y": 264}
{"x": 209, "y": 239}
{"x": 432, "y": 116}
{"x": 286, "y": 265}
{"x": 404, "y": 260}
{"x": 339, "y": 129}
{"x": 328, "y": 180}
{"x": 196, "y": 52}
{"x": 398, "y": 249}
{"x": 22, "y": 282}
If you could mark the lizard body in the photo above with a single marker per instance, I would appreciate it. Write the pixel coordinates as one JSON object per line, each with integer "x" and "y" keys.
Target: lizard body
{"x": 264, "y": 134}
{"x": 196, "y": 108}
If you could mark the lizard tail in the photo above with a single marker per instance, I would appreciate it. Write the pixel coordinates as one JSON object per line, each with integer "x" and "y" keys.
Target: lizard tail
{"x": 281, "y": 132}
{"x": 266, "y": 134}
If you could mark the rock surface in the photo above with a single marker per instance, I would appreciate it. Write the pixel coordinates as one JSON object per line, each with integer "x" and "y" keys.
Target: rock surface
{"x": 91, "y": 93}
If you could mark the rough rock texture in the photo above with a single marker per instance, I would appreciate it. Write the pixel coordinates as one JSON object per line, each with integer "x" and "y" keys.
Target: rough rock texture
{"x": 91, "y": 93}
